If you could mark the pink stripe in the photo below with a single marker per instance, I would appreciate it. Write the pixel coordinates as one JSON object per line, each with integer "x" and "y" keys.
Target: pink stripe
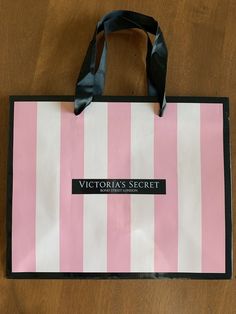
{"x": 119, "y": 154}
{"x": 212, "y": 173}
{"x": 24, "y": 187}
{"x": 71, "y": 206}
{"x": 166, "y": 206}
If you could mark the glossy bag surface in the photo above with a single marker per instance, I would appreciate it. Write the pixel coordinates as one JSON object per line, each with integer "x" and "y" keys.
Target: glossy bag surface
{"x": 162, "y": 203}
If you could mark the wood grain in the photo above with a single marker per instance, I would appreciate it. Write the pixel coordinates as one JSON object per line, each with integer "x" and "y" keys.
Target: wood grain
{"x": 42, "y": 46}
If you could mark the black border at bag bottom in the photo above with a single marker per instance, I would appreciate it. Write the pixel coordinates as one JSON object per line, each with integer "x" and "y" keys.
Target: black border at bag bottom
{"x": 133, "y": 275}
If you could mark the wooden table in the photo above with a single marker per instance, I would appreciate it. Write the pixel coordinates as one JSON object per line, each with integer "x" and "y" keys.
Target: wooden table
{"x": 42, "y": 46}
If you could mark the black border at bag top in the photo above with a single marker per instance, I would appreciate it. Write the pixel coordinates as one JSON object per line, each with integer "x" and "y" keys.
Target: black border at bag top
{"x": 133, "y": 275}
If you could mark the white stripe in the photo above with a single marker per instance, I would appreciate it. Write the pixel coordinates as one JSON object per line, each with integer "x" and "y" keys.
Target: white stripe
{"x": 142, "y": 206}
{"x": 95, "y": 206}
{"x": 47, "y": 186}
{"x": 189, "y": 187}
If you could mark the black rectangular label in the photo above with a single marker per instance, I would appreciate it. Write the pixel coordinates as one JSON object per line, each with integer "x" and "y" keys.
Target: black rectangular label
{"x": 118, "y": 186}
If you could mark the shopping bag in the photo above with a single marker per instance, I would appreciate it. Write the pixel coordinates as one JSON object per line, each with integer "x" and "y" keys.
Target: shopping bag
{"x": 119, "y": 186}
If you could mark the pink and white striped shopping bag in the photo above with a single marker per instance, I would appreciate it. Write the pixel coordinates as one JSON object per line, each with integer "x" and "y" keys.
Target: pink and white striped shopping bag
{"x": 115, "y": 190}
{"x": 150, "y": 194}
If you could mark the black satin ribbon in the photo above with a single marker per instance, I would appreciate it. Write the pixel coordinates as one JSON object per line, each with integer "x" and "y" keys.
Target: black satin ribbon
{"x": 91, "y": 82}
{"x": 110, "y": 26}
{"x": 86, "y": 86}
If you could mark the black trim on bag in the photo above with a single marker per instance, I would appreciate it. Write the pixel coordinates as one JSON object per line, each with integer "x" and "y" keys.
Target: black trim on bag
{"x": 228, "y": 204}
{"x": 109, "y": 98}
{"x": 133, "y": 275}
{"x": 9, "y": 192}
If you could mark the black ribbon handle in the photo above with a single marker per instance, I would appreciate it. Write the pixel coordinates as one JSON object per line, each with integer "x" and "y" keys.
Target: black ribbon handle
{"x": 110, "y": 26}
{"x": 91, "y": 82}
